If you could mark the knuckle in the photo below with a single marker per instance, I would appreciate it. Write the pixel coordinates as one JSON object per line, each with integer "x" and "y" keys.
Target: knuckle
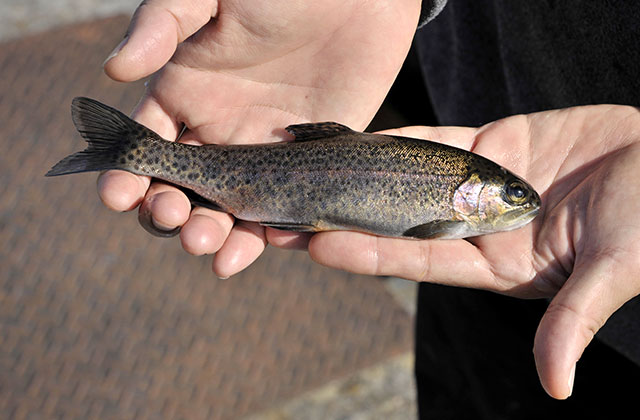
{"x": 424, "y": 272}
{"x": 587, "y": 325}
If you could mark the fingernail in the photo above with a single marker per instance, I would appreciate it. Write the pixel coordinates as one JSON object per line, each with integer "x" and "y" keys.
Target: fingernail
{"x": 222, "y": 278}
{"x": 116, "y": 50}
{"x": 572, "y": 376}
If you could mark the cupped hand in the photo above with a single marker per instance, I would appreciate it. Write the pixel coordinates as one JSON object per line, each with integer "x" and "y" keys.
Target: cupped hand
{"x": 583, "y": 249}
{"x": 239, "y": 71}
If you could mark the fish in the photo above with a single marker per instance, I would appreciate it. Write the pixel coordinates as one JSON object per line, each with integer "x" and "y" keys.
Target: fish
{"x": 329, "y": 177}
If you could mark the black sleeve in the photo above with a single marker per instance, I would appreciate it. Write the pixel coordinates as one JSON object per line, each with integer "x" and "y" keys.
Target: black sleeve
{"x": 430, "y": 9}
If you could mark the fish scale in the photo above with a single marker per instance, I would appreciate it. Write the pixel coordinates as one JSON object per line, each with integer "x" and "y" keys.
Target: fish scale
{"x": 329, "y": 178}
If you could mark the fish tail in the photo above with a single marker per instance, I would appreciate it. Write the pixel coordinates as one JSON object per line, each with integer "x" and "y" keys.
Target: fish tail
{"x": 110, "y": 135}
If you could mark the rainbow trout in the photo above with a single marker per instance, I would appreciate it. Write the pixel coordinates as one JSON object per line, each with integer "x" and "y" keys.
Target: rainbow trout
{"x": 329, "y": 178}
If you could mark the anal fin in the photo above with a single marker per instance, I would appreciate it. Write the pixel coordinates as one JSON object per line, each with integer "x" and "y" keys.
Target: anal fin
{"x": 200, "y": 201}
{"x": 295, "y": 227}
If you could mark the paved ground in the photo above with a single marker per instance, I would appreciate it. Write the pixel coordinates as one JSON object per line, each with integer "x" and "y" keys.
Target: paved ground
{"x": 383, "y": 391}
{"x": 99, "y": 320}
{"x": 21, "y": 17}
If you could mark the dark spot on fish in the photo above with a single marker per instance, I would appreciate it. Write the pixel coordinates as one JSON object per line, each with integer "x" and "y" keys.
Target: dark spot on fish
{"x": 130, "y": 156}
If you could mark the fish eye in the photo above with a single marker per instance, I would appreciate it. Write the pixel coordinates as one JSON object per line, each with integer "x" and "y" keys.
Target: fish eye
{"x": 516, "y": 192}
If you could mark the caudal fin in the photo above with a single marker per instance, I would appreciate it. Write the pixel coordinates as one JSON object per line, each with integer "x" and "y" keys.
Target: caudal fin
{"x": 109, "y": 134}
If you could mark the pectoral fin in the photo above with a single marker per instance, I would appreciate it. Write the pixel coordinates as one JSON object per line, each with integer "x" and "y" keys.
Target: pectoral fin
{"x": 437, "y": 229}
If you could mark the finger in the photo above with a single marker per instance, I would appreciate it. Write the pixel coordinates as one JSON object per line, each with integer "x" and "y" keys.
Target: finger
{"x": 167, "y": 206}
{"x": 157, "y": 27}
{"x": 451, "y": 262}
{"x": 243, "y": 246}
{"x": 594, "y": 291}
{"x": 145, "y": 220}
{"x": 123, "y": 191}
{"x": 288, "y": 240}
{"x": 206, "y": 231}
{"x": 120, "y": 190}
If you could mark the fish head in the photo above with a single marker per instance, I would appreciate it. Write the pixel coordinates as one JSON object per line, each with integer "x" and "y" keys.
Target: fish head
{"x": 495, "y": 202}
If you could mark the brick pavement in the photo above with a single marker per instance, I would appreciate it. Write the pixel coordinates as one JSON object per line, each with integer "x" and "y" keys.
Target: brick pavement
{"x": 100, "y": 320}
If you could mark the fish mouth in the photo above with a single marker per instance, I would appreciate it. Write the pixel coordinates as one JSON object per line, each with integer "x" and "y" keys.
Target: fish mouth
{"x": 517, "y": 218}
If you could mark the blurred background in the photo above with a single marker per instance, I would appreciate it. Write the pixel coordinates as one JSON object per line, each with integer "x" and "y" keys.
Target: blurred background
{"x": 100, "y": 320}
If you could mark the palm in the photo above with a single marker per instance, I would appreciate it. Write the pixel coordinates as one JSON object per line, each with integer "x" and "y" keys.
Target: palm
{"x": 582, "y": 248}
{"x": 244, "y": 76}
{"x": 261, "y": 66}
{"x": 578, "y": 159}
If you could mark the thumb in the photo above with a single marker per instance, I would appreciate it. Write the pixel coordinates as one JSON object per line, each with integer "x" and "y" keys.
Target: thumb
{"x": 593, "y": 292}
{"x": 462, "y": 137}
{"x": 156, "y": 29}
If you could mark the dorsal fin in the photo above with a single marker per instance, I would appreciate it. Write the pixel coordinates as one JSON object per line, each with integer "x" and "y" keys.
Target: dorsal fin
{"x": 315, "y": 131}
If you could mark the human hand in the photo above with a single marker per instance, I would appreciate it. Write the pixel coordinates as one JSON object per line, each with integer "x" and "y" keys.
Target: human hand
{"x": 582, "y": 250}
{"x": 239, "y": 71}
